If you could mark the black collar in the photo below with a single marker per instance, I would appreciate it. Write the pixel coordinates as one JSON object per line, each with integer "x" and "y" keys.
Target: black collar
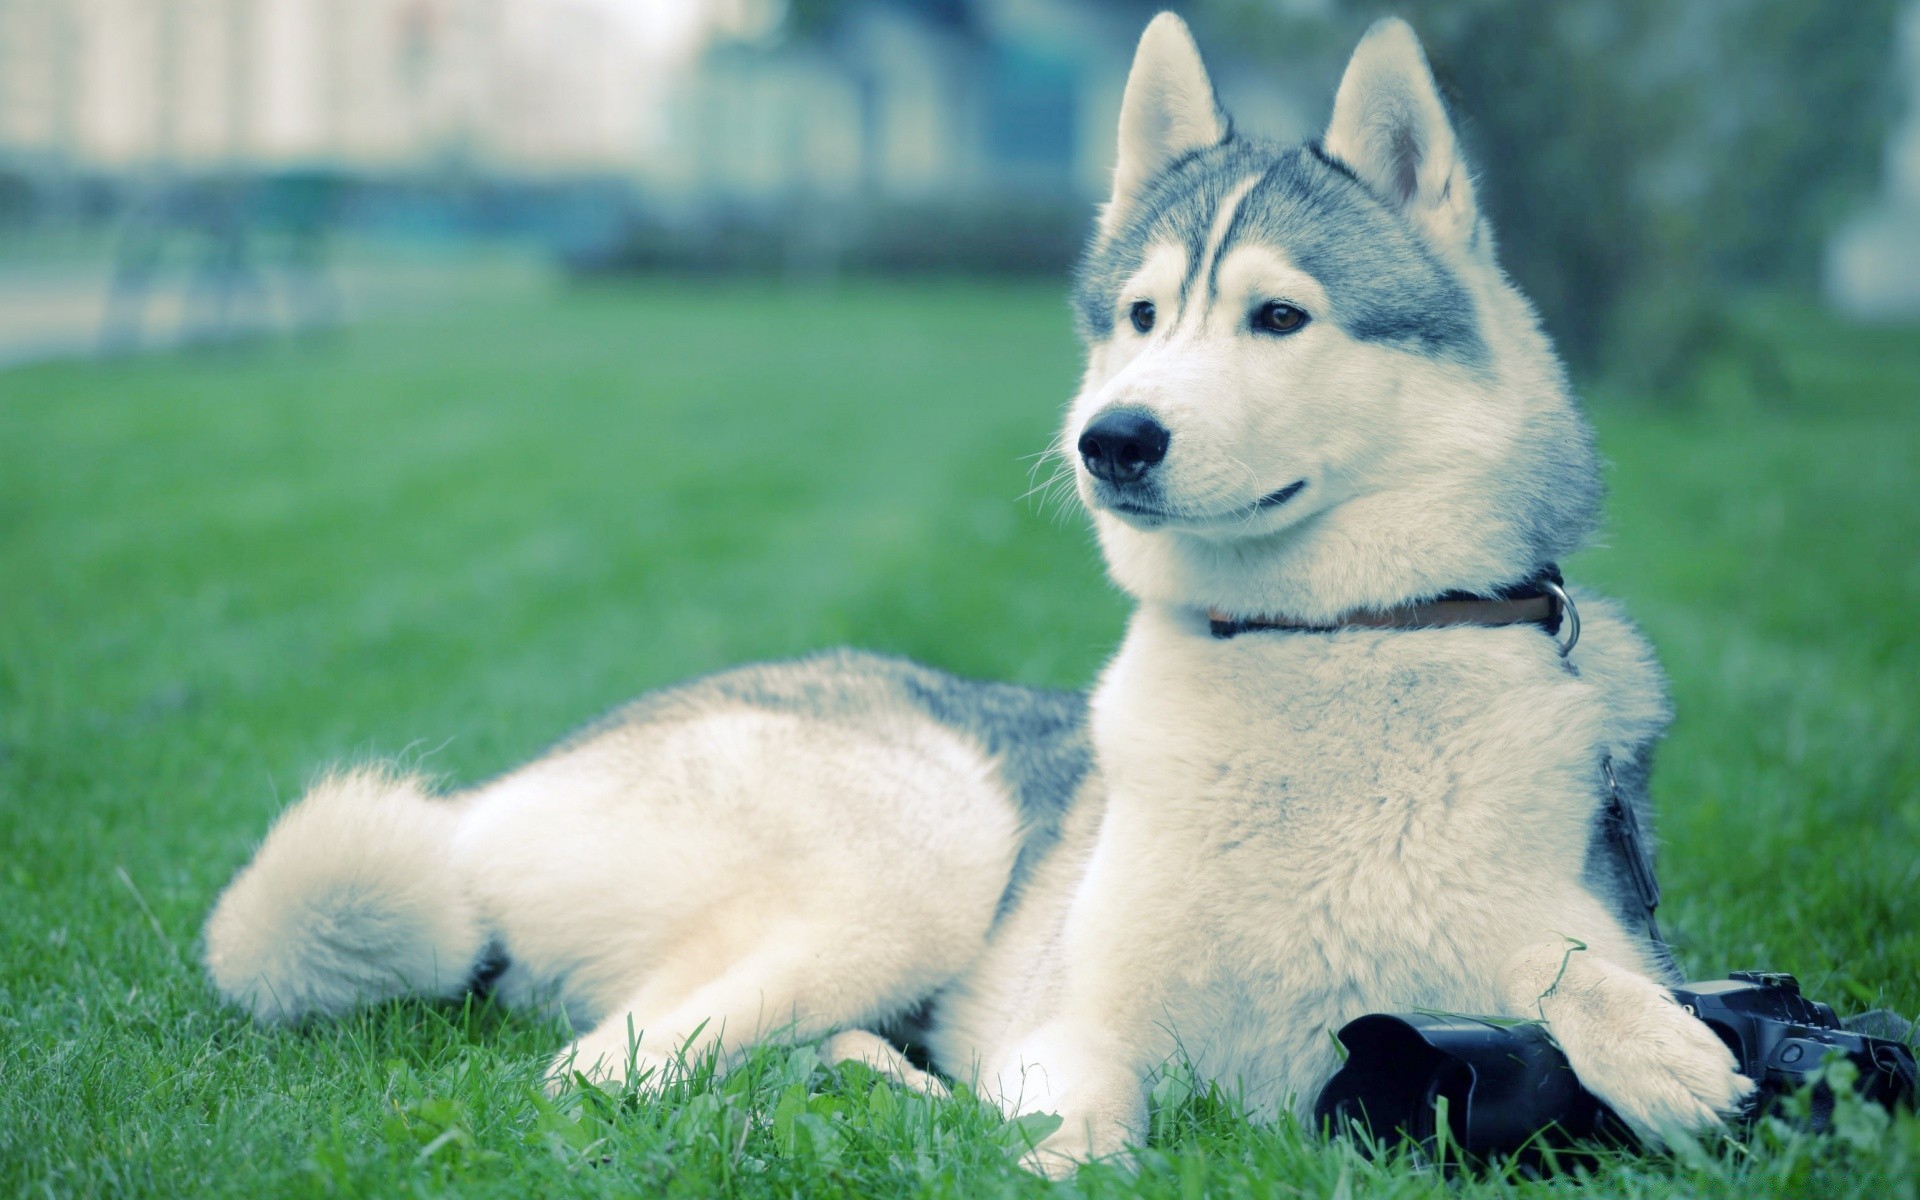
{"x": 1541, "y": 599}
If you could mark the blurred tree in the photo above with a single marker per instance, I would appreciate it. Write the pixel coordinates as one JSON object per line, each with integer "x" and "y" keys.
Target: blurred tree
{"x": 1639, "y": 157}
{"x": 1572, "y": 119}
{"x": 1817, "y": 96}
{"x": 804, "y": 18}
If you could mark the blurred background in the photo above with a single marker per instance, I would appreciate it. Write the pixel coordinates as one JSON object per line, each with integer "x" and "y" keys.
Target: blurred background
{"x": 416, "y": 378}
{"x": 188, "y": 169}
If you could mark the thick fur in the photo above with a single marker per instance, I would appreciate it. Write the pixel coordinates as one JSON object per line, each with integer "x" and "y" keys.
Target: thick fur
{"x": 1232, "y": 846}
{"x": 353, "y": 898}
{"x": 798, "y": 847}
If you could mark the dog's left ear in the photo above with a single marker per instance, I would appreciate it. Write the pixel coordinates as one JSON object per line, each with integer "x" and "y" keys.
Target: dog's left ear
{"x": 1391, "y": 128}
{"x": 1169, "y": 111}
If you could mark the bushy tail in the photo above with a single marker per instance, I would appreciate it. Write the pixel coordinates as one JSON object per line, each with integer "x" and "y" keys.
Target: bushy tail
{"x": 352, "y": 898}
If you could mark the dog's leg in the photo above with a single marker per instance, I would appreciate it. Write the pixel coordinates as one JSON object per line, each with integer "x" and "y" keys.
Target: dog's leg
{"x": 1629, "y": 1042}
{"x": 761, "y": 993}
{"x": 1107, "y": 1024}
{"x": 858, "y": 1045}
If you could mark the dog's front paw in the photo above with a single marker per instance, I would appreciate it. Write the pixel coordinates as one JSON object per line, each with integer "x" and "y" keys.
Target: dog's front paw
{"x": 1662, "y": 1070}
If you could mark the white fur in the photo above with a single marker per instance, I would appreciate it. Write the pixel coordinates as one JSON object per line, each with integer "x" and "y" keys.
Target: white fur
{"x": 747, "y": 872}
{"x": 349, "y": 900}
{"x": 1301, "y": 830}
{"x": 697, "y": 884}
{"x": 1631, "y": 1044}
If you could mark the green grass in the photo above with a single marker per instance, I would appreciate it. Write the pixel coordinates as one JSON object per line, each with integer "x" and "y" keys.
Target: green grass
{"x": 453, "y": 538}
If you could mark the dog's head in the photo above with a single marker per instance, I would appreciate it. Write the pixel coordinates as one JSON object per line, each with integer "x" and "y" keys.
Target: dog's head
{"x": 1309, "y": 388}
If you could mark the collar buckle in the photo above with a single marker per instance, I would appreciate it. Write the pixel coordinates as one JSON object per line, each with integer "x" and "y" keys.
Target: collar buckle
{"x": 1568, "y": 613}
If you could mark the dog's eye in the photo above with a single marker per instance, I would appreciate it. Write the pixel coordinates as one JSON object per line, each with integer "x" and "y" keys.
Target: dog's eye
{"x": 1142, "y": 315}
{"x": 1277, "y": 316}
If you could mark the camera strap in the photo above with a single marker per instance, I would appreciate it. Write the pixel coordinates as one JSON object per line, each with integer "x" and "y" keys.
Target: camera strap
{"x": 1623, "y": 829}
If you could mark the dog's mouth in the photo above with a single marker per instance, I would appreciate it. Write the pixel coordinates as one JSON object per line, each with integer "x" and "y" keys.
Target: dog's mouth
{"x": 1279, "y": 496}
{"x": 1152, "y": 516}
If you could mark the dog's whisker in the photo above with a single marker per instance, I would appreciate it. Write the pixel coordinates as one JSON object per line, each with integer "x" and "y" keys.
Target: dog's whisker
{"x": 1047, "y": 489}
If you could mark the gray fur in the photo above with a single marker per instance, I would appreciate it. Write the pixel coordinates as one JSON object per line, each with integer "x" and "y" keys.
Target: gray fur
{"x": 1035, "y": 737}
{"x": 1387, "y": 285}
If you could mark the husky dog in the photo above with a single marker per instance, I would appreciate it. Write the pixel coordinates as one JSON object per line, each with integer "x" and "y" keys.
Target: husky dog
{"x": 1315, "y": 414}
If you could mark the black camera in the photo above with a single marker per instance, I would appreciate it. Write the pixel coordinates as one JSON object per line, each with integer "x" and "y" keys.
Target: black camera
{"x": 1506, "y": 1089}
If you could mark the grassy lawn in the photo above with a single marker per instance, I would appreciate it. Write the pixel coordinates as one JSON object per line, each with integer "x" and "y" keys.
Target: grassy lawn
{"x": 451, "y": 539}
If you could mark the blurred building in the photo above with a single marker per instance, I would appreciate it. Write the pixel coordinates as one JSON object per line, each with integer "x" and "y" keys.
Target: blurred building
{"x": 631, "y": 134}
{"x": 905, "y": 135}
{"x": 691, "y": 97}
{"x": 914, "y": 99}
{"x": 364, "y": 85}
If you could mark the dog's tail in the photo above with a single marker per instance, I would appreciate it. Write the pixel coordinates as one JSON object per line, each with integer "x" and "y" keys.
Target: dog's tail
{"x": 352, "y": 898}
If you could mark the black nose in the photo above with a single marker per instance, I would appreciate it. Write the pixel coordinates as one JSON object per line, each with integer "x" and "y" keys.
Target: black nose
{"x": 1122, "y": 445}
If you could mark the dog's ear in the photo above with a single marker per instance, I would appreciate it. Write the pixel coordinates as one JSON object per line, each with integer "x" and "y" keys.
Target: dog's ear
{"x": 1391, "y": 128}
{"x": 1169, "y": 111}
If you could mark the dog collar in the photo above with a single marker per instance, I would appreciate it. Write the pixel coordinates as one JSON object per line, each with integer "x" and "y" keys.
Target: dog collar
{"x": 1541, "y": 600}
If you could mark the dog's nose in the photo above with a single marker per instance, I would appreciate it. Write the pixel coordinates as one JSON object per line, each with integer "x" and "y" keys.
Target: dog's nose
{"x": 1123, "y": 444}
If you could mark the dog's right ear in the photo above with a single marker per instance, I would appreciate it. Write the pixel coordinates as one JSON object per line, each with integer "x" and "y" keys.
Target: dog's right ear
{"x": 1169, "y": 111}
{"x": 1391, "y": 128}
